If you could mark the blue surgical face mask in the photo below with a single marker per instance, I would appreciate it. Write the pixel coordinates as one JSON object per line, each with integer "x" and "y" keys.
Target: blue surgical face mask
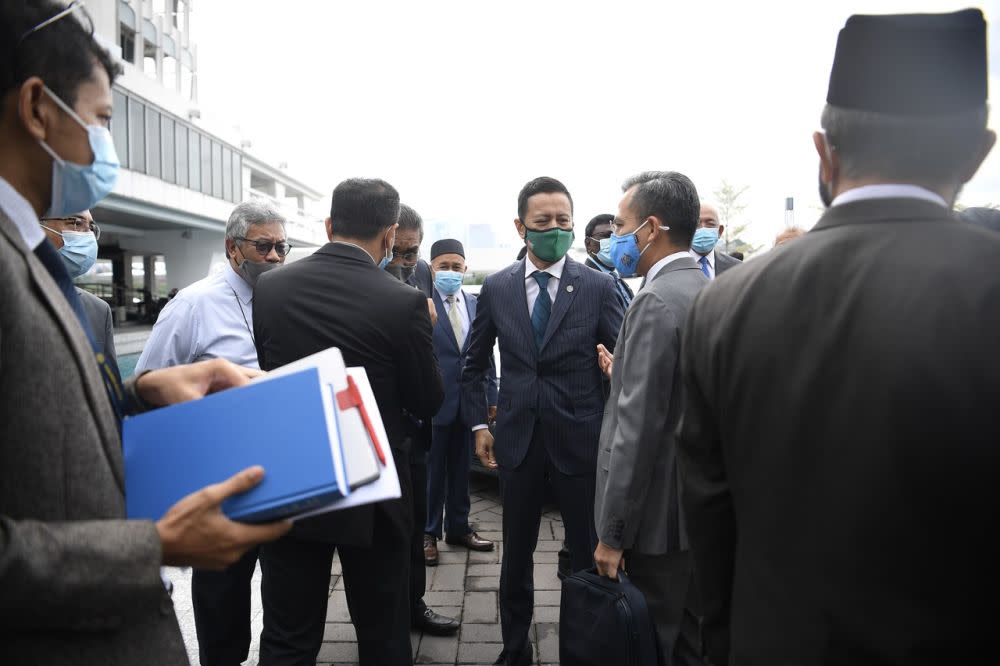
{"x": 77, "y": 187}
{"x": 388, "y": 254}
{"x": 705, "y": 240}
{"x": 79, "y": 251}
{"x": 625, "y": 252}
{"x": 449, "y": 282}
{"x": 603, "y": 256}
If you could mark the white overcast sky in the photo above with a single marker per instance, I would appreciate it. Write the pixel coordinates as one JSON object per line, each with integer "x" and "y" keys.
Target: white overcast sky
{"x": 458, "y": 104}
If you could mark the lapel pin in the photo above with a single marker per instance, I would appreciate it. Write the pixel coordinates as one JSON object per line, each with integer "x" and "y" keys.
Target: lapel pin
{"x": 569, "y": 288}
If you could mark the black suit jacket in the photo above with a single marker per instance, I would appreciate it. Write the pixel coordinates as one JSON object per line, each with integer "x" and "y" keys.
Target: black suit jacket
{"x": 337, "y": 297}
{"x": 558, "y": 386}
{"x": 839, "y": 443}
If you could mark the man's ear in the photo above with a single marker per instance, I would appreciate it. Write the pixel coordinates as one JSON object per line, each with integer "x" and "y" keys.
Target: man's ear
{"x": 829, "y": 162}
{"x": 35, "y": 115}
{"x": 520, "y": 227}
{"x": 328, "y": 223}
{"x": 989, "y": 140}
{"x": 722, "y": 230}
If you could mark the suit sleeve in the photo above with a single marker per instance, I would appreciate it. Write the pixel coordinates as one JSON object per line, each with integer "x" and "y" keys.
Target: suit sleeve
{"x": 419, "y": 372}
{"x": 109, "y": 336}
{"x": 172, "y": 340}
{"x": 79, "y": 575}
{"x": 492, "y": 384}
{"x": 612, "y": 314}
{"x": 649, "y": 362}
{"x": 707, "y": 501}
{"x": 478, "y": 359}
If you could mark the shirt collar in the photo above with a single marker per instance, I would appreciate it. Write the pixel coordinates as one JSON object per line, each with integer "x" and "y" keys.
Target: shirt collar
{"x": 555, "y": 270}
{"x": 697, "y": 257}
{"x": 22, "y": 214}
{"x": 355, "y": 245}
{"x": 244, "y": 291}
{"x": 661, "y": 264}
{"x": 888, "y": 191}
{"x": 444, "y": 296}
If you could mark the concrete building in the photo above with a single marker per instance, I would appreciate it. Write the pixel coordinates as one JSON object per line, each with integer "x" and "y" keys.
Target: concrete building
{"x": 163, "y": 227}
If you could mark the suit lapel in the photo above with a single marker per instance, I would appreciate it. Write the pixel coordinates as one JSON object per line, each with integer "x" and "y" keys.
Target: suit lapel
{"x": 521, "y": 303}
{"x": 684, "y": 263}
{"x": 443, "y": 320}
{"x": 564, "y": 298}
{"x": 83, "y": 354}
{"x": 470, "y": 307}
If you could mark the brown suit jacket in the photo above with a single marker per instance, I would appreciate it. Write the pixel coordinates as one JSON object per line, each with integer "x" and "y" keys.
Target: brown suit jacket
{"x": 79, "y": 584}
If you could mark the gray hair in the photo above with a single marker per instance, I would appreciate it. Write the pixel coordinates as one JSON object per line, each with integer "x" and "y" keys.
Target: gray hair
{"x": 252, "y": 212}
{"x": 410, "y": 220}
{"x": 917, "y": 149}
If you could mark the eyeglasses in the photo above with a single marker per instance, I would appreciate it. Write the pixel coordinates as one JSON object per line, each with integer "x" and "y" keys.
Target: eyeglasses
{"x": 412, "y": 255}
{"x": 85, "y": 21}
{"x": 264, "y": 247}
{"x": 75, "y": 223}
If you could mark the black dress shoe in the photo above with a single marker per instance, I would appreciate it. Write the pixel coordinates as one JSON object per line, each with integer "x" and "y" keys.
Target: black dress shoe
{"x": 523, "y": 659}
{"x": 472, "y": 541}
{"x": 432, "y": 623}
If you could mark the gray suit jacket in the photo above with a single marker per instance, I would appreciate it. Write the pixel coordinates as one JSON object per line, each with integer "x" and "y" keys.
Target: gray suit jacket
{"x": 79, "y": 584}
{"x": 99, "y": 316}
{"x": 637, "y": 506}
{"x": 723, "y": 262}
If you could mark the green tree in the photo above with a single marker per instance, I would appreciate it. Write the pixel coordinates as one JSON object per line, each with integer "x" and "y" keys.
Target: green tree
{"x": 727, "y": 198}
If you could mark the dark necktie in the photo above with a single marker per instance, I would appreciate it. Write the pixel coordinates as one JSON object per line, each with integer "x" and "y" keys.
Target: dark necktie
{"x": 543, "y": 307}
{"x": 704, "y": 267}
{"x": 108, "y": 370}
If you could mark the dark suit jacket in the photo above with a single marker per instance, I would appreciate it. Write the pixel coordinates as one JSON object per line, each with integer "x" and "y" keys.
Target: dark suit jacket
{"x": 337, "y": 297}
{"x": 839, "y": 443}
{"x": 79, "y": 584}
{"x": 559, "y": 386}
{"x": 421, "y": 278}
{"x": 99, "y": 315}
{"x": 451, "y": 358}
{"x": 637, "y": 503}
{"x": 723, "y": 262}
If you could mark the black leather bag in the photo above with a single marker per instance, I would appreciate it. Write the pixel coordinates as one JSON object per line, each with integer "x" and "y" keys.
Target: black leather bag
{"x": 604, "y": 622}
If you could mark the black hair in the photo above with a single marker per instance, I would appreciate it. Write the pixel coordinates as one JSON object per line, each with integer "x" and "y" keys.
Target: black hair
{"x": 63, "y": 54}
{"x": 541, "y": 185}
{"x": 603, "y": 218}
{"x": 987, "y": 218}
{"x": 363, "y": 208}
{"x": 671, "y": 197}
{"x": 410, "y": 220}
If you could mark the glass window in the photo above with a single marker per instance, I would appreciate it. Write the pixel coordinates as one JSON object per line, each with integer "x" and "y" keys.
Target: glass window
{"x": 216, "y": 170}
{"x": 181, "y": 144}
{"x": 227, "y": 174}
{"x": 206, "y": 165}
{"x": 126, "y": 38}
{"x": 149, "y": 59}
{"x": 167, "y": 135}
{"x": 119, "y": 125}
{"x": 194, "y": 160}
{"x": 152, "y": 143}
{"x": 187, "y": 82}
{"x": 237, "y": 177}
{"x": 137, "y": 135}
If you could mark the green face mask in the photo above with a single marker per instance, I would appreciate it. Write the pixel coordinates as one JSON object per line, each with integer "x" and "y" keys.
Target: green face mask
{"x": 551, "y": 244}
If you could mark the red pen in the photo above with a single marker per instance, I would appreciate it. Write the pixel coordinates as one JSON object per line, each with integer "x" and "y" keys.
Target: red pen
{"x": 351, "y": 397}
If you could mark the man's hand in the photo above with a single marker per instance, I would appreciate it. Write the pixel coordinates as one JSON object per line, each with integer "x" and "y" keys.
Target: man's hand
{"x": 491, "y": 414}
{"x": 195, "y": 532}
{"x": 190, "y": 382}
{"x": 608, "y": 560}
{"x": 433, "y": 311}
{"x": 484, "y": 448}
{"x": 605, "y": 360}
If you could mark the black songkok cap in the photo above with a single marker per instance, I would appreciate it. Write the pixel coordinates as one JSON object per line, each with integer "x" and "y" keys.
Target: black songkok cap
{"x": 911, "y": 64}
{"x": 447, "y": 246}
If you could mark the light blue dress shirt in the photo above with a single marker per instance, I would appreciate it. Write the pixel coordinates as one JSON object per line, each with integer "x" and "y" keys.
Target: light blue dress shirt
{"x": 212, "y": 318}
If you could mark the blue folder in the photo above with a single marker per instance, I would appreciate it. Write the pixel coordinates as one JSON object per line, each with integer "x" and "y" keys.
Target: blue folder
{"x": 286, "y": 424}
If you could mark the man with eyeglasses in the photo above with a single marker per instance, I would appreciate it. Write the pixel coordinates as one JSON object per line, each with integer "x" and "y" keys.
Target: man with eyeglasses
{"x": 75, "y": 237}
{"x": 213, "y": 318}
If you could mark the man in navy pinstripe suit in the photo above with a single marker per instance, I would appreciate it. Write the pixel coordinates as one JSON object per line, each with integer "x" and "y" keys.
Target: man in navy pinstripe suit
{"x": 549, "y": 313}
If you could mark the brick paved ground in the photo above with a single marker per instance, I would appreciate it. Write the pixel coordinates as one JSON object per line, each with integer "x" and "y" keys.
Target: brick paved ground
{"x": 463, "y": 585}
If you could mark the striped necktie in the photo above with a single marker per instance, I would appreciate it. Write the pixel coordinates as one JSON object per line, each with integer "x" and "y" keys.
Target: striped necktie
{"x": 704, "y": 267}
{"x": 455, "y": 317}
{"x": 543, "y": 307}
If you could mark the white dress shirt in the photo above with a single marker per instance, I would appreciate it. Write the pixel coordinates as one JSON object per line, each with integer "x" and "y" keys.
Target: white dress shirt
{"x": 463, "y": 312}
{"x": 22, "y": 214}
{"x": 531, "y": 286}
{"x": 658, "y": 266}
{"x": 212, "y": 318}
{"x": 888, "y": 191}
{"x": 711, "y": 261}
